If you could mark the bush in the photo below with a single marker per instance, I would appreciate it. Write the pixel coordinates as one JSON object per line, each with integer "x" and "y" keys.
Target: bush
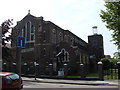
{"x": 106, "y": 63}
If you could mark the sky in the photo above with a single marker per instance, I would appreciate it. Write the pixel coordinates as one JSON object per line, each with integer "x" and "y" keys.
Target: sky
{"x": 77, "y": 16}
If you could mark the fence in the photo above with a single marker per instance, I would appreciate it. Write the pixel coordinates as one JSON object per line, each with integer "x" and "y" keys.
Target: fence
{"x": 111, "y": 72}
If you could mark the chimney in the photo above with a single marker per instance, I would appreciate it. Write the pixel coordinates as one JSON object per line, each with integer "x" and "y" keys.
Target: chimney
{"x": 94, "y": 30}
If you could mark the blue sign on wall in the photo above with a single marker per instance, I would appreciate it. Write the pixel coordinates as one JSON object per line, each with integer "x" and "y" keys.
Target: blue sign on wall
{"x": 21, "y": 41}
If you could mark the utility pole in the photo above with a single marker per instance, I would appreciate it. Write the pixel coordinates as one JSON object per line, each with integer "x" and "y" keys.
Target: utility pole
{"x": 18, "y": 57}
{"x": 20, "y": 44}
{"x": 35, "y": 62}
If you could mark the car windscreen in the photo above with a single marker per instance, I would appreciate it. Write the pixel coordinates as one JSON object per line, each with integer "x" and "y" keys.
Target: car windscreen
{"x": 12, "y": 76}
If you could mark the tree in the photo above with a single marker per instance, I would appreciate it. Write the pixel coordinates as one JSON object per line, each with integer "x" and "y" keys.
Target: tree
{"x": 114, "y": 62}
{"x": 112, "y": 18}
{"x": 6, "y": 26}
{"x": 106, "y": 63}
{"x": 117, "y": 55}
{"x": 6, "y": 37}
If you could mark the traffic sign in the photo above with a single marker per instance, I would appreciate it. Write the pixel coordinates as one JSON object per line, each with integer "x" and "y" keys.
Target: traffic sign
{"x": 21, "y": 41}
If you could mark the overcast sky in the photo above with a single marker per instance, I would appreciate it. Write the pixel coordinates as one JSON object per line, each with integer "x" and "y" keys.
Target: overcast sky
{"x": 78, "y": 16}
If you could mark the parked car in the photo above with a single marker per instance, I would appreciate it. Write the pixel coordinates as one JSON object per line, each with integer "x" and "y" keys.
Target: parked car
{"x": 10, "y": 80}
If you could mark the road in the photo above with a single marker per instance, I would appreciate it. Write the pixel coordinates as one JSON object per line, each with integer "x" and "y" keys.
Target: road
{"x": 28, "y": 84}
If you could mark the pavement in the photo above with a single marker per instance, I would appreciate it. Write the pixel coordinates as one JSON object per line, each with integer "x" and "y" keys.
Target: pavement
{"x": 78, "y": 82}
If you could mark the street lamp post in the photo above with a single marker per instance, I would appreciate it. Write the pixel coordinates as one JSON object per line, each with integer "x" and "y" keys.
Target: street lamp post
{"x": 35, "y": 58}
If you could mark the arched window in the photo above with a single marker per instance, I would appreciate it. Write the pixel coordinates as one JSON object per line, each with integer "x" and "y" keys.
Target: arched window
{"x": 44, "y": 35}
{"x": 66, "y": 38}
{"x": 32, "y": 29}
{"x": 80, "y": 58}
{"x": 60, "y": 37}
{"x": 24, "y": 31}
{"x": 54, "y": 36}
{"x": 68, "y": 57}
{"x": 28, "y": 31}
{"x": 32, "y": 36}
{"x": 63, "y": 54}
{"x": 63, "y": 50}
{"x": 72, "y": 41}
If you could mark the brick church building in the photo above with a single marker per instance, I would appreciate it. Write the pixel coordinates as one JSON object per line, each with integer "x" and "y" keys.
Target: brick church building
{"x": 51, "y": 50}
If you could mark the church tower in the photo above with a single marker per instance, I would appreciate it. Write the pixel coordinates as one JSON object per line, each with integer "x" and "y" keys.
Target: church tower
{"x": 96, "y": 48}
{"x": 96, "y": 41}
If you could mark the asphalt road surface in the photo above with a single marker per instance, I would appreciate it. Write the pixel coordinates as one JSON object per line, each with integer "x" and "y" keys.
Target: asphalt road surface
{"x": 54, "y": 86}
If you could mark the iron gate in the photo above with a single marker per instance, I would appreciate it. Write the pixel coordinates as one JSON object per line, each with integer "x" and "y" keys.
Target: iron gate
{"x": 111, "y": 72}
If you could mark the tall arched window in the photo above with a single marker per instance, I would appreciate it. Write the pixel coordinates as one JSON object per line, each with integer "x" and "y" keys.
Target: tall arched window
{"x": 54, "y": 36}
{"x": 63, "y": 54}
{"x": 68, "y": 57}
{"x": 32, "y": 29}
{"x": 28, "y": 31}
{"x": 80, "y": 58}
{"x": 44, "y": 35}
{"x": 32, "y": 36}
{"x": 24, "y": 31}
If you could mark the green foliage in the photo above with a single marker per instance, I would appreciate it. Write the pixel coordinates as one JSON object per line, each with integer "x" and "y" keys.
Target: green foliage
{"x": 117, "y": 55}
{"x": 106, "y": 63}
{"x": 112, "y": 18}
{"x": 114, "y": 61}
{"x": 6, "y": 26}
